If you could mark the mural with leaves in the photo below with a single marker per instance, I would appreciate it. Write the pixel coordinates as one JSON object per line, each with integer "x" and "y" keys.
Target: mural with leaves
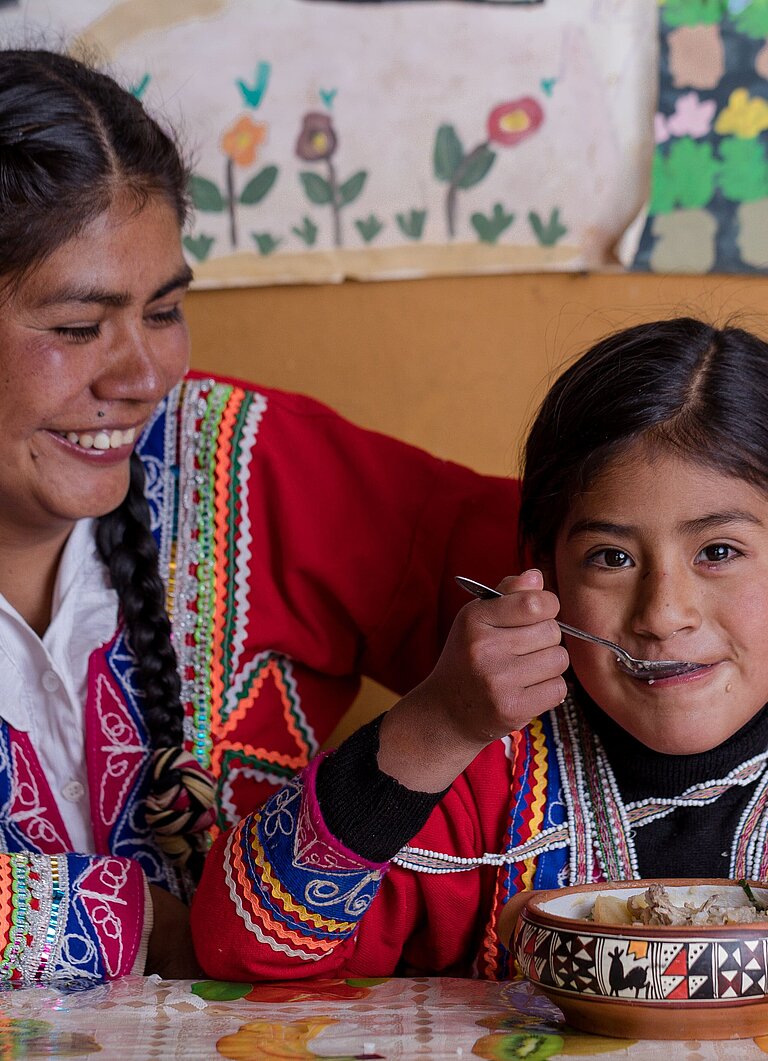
{"x": 708, "y": 209}
{"x": 389, "y": 139}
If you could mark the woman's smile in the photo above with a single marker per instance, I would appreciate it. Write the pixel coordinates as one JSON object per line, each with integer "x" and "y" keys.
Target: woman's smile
{"x": 91, "y": 341}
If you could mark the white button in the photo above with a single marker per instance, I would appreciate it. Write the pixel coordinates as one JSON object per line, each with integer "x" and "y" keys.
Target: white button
{"x": 73, "y": 791}
{"x": 50, "y": 681}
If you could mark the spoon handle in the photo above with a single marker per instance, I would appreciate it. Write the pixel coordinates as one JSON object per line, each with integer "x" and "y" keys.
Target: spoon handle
{"x": 486, "y": 593}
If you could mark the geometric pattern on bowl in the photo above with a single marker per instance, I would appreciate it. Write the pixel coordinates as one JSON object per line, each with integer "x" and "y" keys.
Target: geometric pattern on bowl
{"x": 643, "y": 968}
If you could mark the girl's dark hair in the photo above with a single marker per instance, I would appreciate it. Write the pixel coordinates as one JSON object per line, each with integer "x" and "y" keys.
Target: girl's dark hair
{"x": 679, "y": 385}
{"x": 72, "y": 141}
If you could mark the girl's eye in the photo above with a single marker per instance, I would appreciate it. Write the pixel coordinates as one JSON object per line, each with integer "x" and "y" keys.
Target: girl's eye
{"x": 82, "y": 334}
{"x": 167, "y": 316}
{"x": 610, "y": 558}
{"x": 717, "y": 553}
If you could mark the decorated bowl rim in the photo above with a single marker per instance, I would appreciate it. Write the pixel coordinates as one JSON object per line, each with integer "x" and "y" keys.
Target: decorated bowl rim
{"x": 532, "y": 910}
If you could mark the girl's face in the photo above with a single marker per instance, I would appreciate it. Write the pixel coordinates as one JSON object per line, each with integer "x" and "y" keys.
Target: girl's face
{"x": 90, "y": 341}
{"x": 670, "y": 560}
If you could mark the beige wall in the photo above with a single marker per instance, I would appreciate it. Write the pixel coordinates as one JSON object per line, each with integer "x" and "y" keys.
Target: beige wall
{"x": 454, "y": 365}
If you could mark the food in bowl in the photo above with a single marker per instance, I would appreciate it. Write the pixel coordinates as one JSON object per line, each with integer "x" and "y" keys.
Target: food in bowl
{"x": 655, "y": 906}
{"x": 649, "y": 981}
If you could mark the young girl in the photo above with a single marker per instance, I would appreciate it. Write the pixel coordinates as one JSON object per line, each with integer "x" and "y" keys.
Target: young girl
{"x": 645, "y": 507}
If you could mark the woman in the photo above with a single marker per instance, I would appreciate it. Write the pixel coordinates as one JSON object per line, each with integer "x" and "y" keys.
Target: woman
{"x": 193, "y": 574}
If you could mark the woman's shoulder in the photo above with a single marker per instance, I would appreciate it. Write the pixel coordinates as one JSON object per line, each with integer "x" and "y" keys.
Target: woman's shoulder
{"x": 287, "y": 402}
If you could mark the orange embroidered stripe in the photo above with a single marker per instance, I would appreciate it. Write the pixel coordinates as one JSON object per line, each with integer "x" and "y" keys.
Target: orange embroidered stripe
{"x": 221, "y": 519}
{"x": 538, "y": 794}
{"x": 286, "y": 900}
{"x": 6, "y": 901}
{"x": 293, "y": 762}
{"x": 490, "y": 950}
{"x": 261, "y": 914}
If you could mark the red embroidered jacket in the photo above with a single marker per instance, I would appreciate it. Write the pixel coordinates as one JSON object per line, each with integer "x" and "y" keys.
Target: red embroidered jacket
{"x": 300, "y": 552}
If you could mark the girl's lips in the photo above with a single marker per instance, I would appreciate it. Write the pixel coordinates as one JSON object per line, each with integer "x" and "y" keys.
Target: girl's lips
{"x": 676, "y": 679}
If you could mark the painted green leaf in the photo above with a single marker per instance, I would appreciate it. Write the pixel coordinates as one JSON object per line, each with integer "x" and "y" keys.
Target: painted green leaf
{"x": 205, "y": 195}
{"x": 306, "y": 231}
{"x": 220, "y": 990}
{"x": 266, "y": 242}
{"x": 693, "y": 12}
{"x": 140, "y": 87}
{"x": 351, "y": 188}
{"x": 369, "y": 227}
{"x": 743, "y": 175}
{"x": 258, "y": 186}
{"x": 448, "y": 153}
{"x": 477, "y": 165}
{"x": 547, "y": 233}
{"x": 253, "y": 93}
{"x": 753, "y": 20}
{"x": 662, "y": 192}
{"x": 490, "y": 228}
{"x": 412, "y": 223}
{"x": 317, "y": 188}
{"x": 692, "y": 171}
{"x": 199, "y": 246}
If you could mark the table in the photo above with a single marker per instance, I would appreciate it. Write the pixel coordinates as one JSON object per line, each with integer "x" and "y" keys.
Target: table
{"x": 445, "y": 1019}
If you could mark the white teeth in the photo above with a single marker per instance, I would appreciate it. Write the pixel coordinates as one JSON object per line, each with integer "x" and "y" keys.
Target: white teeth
{"x": 102, "y": 440}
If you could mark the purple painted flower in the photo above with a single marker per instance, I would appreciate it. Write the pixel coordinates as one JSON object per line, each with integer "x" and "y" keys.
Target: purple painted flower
{"x": 317, "y": 139}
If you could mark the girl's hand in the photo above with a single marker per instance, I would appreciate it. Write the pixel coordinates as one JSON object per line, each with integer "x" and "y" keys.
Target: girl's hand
{"x": 170, "y": 953}
{"x": 501, "y": 666}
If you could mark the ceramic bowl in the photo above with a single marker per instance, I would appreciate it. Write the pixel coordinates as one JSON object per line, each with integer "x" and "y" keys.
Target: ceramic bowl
{"x": 642, "y": 982}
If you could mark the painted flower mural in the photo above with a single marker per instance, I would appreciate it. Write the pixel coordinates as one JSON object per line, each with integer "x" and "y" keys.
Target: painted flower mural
{"x": 317, "y": 139}
{"x": 240, "y": 144}
{"x": 317, "y": 142}
{"x": 507, "y": 125}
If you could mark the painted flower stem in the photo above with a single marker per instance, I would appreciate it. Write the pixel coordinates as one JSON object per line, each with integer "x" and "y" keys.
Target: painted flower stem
{"x": 231, "y": 202}
{"x": 453, "y": 188}
{"x": 335, "y": 205}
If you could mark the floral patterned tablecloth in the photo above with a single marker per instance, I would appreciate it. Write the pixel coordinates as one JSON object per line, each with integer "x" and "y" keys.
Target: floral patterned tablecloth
{"x": 149, "y": 1018}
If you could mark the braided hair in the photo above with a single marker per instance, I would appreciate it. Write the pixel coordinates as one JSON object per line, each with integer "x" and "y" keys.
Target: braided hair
{"x": 71, "y": 140}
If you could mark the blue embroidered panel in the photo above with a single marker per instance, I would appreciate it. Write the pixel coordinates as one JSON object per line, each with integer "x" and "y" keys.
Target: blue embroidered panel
{"x": 341, "y": 895}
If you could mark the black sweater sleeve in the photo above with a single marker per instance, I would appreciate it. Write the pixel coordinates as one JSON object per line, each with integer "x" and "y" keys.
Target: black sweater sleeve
{"x": 367, "y": 810}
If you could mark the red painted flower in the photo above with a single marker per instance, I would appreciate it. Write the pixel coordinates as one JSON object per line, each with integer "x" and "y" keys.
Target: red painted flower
{"x": 312, "y": 991}
{"x": 509, "y": 123}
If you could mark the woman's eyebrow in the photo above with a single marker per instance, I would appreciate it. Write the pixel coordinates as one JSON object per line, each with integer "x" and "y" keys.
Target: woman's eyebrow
{"x": 89, "y": 295}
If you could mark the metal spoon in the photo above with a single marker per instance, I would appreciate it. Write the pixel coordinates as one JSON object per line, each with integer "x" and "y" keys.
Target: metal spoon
{"x": 647, "y": 669}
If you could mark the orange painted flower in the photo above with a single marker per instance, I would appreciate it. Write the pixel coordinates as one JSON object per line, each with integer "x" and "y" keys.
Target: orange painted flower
{"x": 242, "y": 141}
{"x": 509, "y": 123}
{"x": 310, "y": 991}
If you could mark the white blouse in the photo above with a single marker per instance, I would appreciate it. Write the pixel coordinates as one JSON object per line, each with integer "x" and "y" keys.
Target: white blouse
{"x": 43, "y": 681}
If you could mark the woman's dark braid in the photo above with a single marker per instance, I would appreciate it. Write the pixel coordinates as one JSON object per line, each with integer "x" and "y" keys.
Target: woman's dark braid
{"x": 181, "y": 793}
{"x": 128, "y": 548}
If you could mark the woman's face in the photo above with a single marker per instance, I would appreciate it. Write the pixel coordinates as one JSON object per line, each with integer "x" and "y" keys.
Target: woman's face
{"x": 90, "y": 341}
{"x": 670, "y": 560}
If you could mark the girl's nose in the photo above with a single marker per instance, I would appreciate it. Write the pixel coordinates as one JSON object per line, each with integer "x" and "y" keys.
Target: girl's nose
{"x": 665, "y": 605}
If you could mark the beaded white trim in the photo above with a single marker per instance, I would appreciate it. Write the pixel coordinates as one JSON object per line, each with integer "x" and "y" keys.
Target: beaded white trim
{"x": 633, "y": 814}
